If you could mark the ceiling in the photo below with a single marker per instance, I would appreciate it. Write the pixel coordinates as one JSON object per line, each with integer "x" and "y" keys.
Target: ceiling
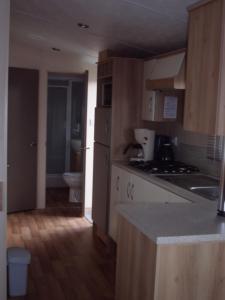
{"x": 139, "y": 28}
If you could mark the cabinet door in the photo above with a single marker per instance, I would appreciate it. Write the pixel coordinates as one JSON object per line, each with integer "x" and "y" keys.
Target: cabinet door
{"x": 125, "y": 182}
{"x": 103, "y": 125}
{"x": 203, "y": 63}
{"x": 101, "y": 186}
{"x": 120, "y": 193}
{"x": 145, "y": 191}
{"x": 148, "y": 105}
{"x": 115, "y": 196}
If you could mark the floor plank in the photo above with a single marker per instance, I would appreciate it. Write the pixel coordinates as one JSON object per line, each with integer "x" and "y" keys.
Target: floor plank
{"x": 68, "y": 263}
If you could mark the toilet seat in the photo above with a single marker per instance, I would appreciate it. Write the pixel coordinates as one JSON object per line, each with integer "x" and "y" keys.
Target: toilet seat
{"x": 73, "y": 174}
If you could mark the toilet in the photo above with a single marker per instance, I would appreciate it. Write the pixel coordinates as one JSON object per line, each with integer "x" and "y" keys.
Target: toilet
{"x": 73, "y": 180}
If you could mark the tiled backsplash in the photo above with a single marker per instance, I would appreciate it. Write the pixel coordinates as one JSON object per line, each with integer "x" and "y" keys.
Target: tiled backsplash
{"x": 197, "y": 155}
{"x": 192, "y": 148}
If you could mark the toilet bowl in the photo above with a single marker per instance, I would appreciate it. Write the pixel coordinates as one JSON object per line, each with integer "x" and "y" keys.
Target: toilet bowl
{"x": 73, "y": 180}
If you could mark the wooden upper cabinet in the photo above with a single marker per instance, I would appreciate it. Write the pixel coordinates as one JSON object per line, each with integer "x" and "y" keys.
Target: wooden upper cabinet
{"x": 203, "y": 96}
{"x": 127, "y": 83}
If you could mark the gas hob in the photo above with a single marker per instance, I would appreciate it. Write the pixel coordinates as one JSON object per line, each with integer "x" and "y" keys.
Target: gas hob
{"x": 161, "y": 167}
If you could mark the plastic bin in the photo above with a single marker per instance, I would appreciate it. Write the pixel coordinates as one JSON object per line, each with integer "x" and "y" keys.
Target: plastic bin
{"x": 18, "y": 261}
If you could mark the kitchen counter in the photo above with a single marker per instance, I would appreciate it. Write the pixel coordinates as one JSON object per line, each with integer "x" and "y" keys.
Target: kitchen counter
{"x": 166, "y": 223}
{"x": 168, "y": 249}
{"x": 188, "y": 195}
{"x": 176, "y": 222}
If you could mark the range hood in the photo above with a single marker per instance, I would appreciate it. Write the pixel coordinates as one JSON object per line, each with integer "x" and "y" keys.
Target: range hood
{"x": 167, "y": 72}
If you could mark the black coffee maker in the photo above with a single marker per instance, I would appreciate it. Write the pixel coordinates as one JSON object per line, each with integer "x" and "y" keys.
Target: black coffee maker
{"x": 163, "y": 150}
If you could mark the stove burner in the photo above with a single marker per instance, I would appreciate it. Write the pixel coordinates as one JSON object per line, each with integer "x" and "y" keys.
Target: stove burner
{"x": 158, "y": 167}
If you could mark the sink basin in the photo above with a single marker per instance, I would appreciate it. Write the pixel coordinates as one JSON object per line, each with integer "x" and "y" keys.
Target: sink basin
{"x": 211, "y": 193}
{"x": 203, "y": 185}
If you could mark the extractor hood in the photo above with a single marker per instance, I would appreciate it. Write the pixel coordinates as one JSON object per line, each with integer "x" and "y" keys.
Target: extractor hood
{"x": 166, "y": 72}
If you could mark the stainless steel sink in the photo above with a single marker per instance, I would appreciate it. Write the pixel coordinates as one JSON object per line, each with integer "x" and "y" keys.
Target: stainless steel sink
{"x": 211, "y": 193}
{"x": 203, "y": 185}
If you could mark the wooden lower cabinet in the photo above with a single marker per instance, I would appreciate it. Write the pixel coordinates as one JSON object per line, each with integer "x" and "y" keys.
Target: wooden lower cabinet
{"x": 130, "y": 188}
{"x": 148, "y": 271}
{"x": 136, "y": 263}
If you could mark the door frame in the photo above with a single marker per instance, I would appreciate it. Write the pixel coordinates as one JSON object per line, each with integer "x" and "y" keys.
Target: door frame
{"x": 4, "y": 63}
{"x": 84, "y": 139}
{"x": 85, "y": 76}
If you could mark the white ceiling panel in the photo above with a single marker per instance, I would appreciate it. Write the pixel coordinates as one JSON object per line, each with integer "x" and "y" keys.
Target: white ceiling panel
{"x": 139, "y": 27}
{"x": 173, "y": 8}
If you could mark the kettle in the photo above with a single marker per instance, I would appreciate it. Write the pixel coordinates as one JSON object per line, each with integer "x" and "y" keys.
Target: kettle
{"x": 134, "y": 152}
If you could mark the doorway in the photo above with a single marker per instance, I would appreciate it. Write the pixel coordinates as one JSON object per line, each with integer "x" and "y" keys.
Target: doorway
{"x": 66, "y": 140}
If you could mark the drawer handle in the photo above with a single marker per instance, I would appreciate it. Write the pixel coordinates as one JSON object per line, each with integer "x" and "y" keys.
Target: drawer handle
{"x": 128, "y": 193}
{"x": 132, "y": 192}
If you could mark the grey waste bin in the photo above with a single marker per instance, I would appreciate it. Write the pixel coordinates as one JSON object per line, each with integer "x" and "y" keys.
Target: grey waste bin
{"x": 18, "y": 261}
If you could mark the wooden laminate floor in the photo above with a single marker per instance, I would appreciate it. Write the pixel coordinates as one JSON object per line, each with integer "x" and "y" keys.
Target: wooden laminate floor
{"x": 59, "y": 197}
{"x": 68, "y": 263}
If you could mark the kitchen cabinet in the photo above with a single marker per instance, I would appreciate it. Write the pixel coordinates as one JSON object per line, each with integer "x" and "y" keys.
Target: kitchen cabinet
{"x": 162, "y": 106}
{"x": 204, "y": 100}
{"x": 128, "y": 187}
{"x": 165, "y": 72}
{"x": 163, "y": 78}
{"x": 150, "y": 271}
{"x": 115, "y": 197}
{"x": 115, "y": 121}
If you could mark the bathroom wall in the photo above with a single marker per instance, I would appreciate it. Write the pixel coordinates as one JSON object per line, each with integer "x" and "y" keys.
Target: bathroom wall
{"x": 26, "y": 56}
{"x": 4, "y": 42}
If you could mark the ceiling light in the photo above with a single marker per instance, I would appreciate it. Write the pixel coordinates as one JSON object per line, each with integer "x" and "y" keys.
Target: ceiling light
{"x": 56, "y": 49}
{"x": 83, "y": 26}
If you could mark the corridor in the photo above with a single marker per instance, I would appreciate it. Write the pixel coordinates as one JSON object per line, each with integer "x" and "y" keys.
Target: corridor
{"x": 68, "y": 263}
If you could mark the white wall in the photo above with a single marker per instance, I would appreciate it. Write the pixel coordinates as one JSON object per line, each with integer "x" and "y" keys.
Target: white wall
{"x": 4, "y": 44}
{"x": 25, "y": 56}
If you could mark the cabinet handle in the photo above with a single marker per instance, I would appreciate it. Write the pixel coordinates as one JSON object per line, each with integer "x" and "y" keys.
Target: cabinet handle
{"x": 150, "y": 104}
{"x": 117, "y": 183}
{"x": 132, "y": 192}
{"x": 128, "y": 193}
